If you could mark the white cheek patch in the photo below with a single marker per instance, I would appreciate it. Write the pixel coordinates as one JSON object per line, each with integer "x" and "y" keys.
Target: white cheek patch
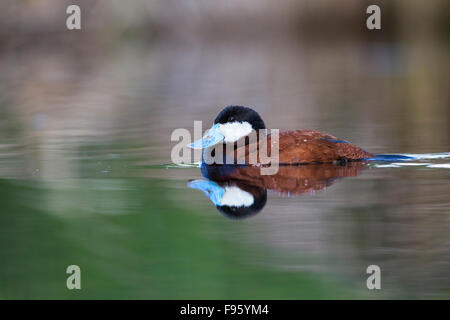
{"x": 235, "y": 197}
{"x": 235, "y": 130}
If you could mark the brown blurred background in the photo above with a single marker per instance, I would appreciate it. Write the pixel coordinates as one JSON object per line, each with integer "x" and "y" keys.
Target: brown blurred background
{"x": 303, "y": 64}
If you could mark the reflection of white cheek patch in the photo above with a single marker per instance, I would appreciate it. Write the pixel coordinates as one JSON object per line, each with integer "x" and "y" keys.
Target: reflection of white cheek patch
{"x": 235, "y": 130}
{"x": 235, "y": 197}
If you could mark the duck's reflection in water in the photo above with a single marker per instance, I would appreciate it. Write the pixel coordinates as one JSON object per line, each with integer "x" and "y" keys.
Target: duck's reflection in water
{"x": 240, "y": 192}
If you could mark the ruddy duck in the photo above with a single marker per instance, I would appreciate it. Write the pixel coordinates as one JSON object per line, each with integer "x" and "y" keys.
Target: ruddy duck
{"x": 294, "y": 146}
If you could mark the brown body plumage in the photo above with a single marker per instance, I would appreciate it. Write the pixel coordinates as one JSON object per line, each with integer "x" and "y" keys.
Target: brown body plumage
{"x": 309, "y": 146}
{"x": 303, "y": 147}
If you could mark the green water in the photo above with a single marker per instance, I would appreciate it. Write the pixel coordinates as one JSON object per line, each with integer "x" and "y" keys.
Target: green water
{"x": 148, "y": 237}
{"x": 132, "y": 239}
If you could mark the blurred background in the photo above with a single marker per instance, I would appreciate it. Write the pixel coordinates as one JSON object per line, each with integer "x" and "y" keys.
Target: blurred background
{"x": 85, "y": 123}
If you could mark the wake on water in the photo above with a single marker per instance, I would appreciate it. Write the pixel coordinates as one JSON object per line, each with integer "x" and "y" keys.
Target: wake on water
{"x": 404, "y": 160}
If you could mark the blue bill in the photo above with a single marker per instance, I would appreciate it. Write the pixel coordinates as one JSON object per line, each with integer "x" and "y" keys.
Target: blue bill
{"x": 213, "y": 137}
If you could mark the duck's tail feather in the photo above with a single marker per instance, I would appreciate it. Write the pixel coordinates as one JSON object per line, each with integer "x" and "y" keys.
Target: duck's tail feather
{"x": 390, "y": 157}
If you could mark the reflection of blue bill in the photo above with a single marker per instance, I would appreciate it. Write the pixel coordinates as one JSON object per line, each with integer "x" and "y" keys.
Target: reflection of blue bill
{"x": 211, "y": 138}
{"x": 211, "y": 189}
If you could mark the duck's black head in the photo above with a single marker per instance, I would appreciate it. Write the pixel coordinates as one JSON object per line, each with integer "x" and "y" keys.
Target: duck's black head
{"x": 230, "y": 125}
{"x": 240, "y": 114}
